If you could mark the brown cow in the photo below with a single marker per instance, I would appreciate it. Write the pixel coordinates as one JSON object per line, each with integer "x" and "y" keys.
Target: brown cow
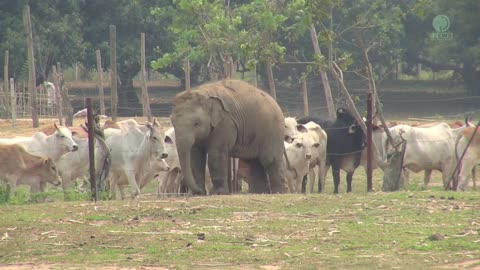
{"x": 20, "y": 167}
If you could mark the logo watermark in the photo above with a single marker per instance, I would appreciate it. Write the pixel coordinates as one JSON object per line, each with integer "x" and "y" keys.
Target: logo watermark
{"x": 441, "y": 24}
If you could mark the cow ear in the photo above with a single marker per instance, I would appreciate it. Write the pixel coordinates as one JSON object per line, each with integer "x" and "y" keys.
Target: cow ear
{"x": 168, "y": 140}
{"x": 217, "y": 108}
{"x": 155, "y": 123}
{"x": 45, "y": 161}
{"x": 301, "y": 128}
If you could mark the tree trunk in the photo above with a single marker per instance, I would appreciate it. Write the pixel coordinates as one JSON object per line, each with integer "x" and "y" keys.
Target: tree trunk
{"x": 471, "y": 78}
{"x": 271, "y": 81}
{"x": 323, "y": 75}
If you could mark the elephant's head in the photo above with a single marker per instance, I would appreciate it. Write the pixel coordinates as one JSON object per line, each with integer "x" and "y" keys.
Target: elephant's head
{"x": 194, "y": 116}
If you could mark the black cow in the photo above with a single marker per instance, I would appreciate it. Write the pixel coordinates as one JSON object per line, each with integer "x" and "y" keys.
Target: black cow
{"x": 344, "y": 145}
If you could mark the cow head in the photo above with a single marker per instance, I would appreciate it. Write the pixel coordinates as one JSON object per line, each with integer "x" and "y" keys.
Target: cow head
{"x": 156, "y": 138}
{"x": 51, "y": 173}
{"x": 64, "y": 140}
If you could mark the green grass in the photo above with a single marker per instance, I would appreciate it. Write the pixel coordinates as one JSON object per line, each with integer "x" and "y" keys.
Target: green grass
{"x": 409, "y": 229}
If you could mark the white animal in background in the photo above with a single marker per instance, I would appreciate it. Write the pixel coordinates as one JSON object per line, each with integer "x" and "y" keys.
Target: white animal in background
{"x": 169, "y": 182}
{"x": 81, "y": 114}
{"x": 471, "y": 157}
{"x": 132, "y": 152}
{"x": 427, "y": 149}
{"x": 52, "y": 146}
{"x": 19, "y": 167}
{"x": 291, "y": 128}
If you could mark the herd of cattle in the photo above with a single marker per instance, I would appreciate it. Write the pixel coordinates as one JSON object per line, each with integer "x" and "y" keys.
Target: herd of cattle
{"x": 140, "y": 153}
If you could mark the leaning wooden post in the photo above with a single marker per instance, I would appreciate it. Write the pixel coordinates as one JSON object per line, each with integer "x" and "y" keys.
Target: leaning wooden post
{"x": 271, "y": 80}
{"x": 187, "y": 76}
{"x": 31, "y": 67}
{"x": 58, "y": 96}
{"x": 369, "y": 142}
{"x": 305, "y": 97}
{"x": 323, "y": 74}
{"x": 100, "y": 82}
{"x": 145, "y": 98}
{"x": 113, "y": 72}
{"x": 91, "y": 150}
{"x": 5, "y": 81}
{"x": 13, "y": 103}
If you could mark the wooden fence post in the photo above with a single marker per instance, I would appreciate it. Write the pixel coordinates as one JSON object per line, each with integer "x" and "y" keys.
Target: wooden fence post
{"x": 91, "y": 150}
{"x": 113, "y": 72}
{"x": 271, "y": 80}
{"x": 305, "y": 97}
{"x": 13, "y": 103}
{"x": 369, "y": 142}
{"x": 100, "y": 83}
{"x": 5, "y": 82}
{"x": 58, "y": 96}
{"x": 145, "y": 99}
{"x": 31, "y": 67}
{"x": 187, "y": 76}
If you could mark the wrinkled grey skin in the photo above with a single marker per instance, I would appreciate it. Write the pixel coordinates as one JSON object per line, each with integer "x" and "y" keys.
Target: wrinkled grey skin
{"x": 229, "y": 118}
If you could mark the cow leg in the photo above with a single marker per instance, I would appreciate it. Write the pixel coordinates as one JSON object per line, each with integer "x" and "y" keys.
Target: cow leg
{"x": 349, "y": 181}
{"x": 257, "y": 178}
{"x": 311, "y": 176}
{"x": 336, "y": 179}
{"x": 474, "y": 177}
{"x": 12, "y": 186}
{"x": 428, "y": 176}
{"x": 322, "y": 175}
{"x": 304, "y": 183}
{"x": 218, "y": 166}
{"x": 135, "y": 190}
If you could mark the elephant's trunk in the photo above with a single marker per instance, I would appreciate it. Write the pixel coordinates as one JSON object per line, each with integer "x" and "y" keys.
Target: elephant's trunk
{"x": 185, "y": 155}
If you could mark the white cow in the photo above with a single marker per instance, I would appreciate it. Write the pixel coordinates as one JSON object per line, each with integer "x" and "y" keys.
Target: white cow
{"x": 132, "y": 152}
{"x": 19, "y": 167}
{"x": 52, "y": 146}
{"x": 471, "y": 157}
{"x": 427, "y": 149}
{"x": 299, "y": 153}
{"x": 291, "y": 128}
{"x": 170, "y": 181}
{"x": 74, "y": 165}
{"x": 319, "y": 152}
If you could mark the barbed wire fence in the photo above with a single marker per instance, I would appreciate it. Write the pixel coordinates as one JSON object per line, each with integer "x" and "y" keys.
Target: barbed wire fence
{"x": 396, "y": 104}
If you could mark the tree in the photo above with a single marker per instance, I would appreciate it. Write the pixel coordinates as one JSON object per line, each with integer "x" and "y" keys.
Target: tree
{"x": 131, "y": 18}
{"x": 56, "y": 32}
{"x": 461, "y": 53}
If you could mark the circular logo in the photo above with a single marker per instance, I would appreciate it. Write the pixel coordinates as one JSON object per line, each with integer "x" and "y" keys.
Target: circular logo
{"x": 441, "y": 23}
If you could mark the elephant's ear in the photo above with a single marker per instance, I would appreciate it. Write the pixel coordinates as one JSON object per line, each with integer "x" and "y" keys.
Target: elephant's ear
{"x": 218, "y": 107}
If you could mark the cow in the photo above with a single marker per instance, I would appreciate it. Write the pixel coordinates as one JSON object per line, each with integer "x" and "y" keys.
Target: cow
{"x": 319, "y": 153}
{"x": 306, "y": 151}
{"x": 169, "y": 182}
{"x": 345, "y": 143}
{"x": 428, "y": 148}
{"x": 471, "y": 157}
{"x": 52, "y": 146}
{"x": 20, "y": 167}
{"x": 132, "y": 151}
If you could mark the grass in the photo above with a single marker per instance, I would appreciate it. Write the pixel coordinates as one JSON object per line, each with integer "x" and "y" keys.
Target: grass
{"x": 410, "y": 229}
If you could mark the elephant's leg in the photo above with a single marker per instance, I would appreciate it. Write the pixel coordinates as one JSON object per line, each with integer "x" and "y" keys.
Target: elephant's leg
{"x": 426, "y": 179}
{"x": 277, "y": 177}
{"x": 257, "y": 178}
{"x": 199, "y": 161}
{"x": 218, "y": 166}
{"x": 474, "y": 177}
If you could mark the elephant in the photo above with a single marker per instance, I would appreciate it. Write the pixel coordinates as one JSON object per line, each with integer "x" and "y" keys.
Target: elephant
{"x": 229, "y": 118}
